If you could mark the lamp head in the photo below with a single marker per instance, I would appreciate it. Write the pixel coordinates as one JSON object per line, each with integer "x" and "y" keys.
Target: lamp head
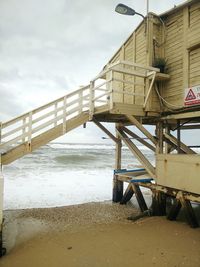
{"x": 125, "y": 10}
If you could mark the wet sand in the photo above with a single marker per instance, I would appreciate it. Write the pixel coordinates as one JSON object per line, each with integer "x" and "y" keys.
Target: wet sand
{"x": 96, "y": 234}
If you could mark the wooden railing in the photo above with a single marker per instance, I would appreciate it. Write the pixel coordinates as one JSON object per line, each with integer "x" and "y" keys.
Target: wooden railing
{"x": 98, "y": 93}
{"x": 123, "y": 74}
{"x": 23, "y": 128}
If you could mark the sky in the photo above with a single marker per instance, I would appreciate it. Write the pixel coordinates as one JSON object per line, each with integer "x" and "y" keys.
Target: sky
{"x": 48, "y": 48}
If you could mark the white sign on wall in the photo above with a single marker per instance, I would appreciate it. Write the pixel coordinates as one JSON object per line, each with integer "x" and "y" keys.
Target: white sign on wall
{"x": 192, "y": 96}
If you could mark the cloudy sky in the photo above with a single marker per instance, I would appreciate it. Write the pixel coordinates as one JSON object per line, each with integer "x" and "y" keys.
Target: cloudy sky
{"x": 49, "y": 47}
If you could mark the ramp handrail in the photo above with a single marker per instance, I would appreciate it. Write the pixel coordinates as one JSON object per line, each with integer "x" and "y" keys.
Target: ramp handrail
{"x": 23, "y": 128}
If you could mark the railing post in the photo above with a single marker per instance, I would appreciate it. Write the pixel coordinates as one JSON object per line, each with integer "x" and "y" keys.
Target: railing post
{"x": 56, "y": 114}
{"x": 91, "y": 107}
{"x": 80, "y": 103}
{"x": 0, "y": 131}
{"x": 111, "y": 89}
{"x": 24, "y": 130}
{"x": 29, "y": 130}
{"x": 64, "y": 114}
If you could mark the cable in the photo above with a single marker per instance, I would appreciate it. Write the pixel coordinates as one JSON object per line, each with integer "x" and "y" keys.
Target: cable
{"x": 167, "y": 103}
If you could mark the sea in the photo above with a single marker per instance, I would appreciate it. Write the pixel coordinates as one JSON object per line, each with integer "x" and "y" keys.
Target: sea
{"x": 61, "y": 174}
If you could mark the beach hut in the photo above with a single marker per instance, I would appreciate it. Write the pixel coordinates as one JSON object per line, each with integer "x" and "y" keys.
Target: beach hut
{"x": 153, "y": 79}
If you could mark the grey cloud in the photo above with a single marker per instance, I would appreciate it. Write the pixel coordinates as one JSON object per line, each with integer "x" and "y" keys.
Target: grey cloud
{"x": 48, "y": 47}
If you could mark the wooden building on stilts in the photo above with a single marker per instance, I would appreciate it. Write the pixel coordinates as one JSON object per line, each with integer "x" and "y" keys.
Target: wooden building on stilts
{"x": 153, "y": 79}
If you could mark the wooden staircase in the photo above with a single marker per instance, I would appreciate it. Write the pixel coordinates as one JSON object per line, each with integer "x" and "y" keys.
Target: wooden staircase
{"x": 23, "y": 134}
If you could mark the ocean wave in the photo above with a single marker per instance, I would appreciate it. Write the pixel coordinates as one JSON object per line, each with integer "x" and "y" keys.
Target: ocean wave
{"x": 89, "y": 146}
{"x": 80, "y": 146}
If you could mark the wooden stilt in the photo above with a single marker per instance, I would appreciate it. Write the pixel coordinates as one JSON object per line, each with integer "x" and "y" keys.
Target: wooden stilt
{"x": 127, "y": 195}
{"x": 189, "y": 213}
{"x": 139, "y": 197}
{"x": 174, "y": 210}
{"x": 117, "y": 185}
{"x": 158, "y": 203}
{"x": 2, "y": 249}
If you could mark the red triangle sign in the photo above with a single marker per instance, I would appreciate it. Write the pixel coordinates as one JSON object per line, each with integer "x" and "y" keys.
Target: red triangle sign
{"x": 190, "y": 95}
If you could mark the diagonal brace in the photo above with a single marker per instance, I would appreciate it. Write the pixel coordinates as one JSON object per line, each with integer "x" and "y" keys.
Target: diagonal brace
{"x": 105, "y": 131}
{"x": 139, "y": 139}
{"x": 138, "y": 154}
{"x": 135, "y": 122}
{"x": 174, "y": 141}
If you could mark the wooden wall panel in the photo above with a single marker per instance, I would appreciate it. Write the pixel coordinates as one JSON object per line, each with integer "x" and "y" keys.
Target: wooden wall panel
{"x": 174, "y": 51}
{"x": 141, "y": 58}
{"x": 129, "y": 56}
{"x": 194, "y": 70}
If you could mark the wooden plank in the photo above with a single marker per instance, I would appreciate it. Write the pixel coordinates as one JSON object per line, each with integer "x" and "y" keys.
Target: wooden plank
{"x": 127, "y": 194}
{"x": 189, "y": 213}
{"x": 158, "y": 206}
{"x": 174, "y": 210}
{"x": 179, "y": 171}
{"x": 118, "y": 185}
{"x": 125, "y": 71}
{"x": 185, "y": 115}
{"x": 139, "y": 197}
{"x": 185, "y": 51}
{"x": 120, "y": 108}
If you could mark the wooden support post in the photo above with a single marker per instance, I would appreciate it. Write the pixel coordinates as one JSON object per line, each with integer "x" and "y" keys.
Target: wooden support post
{"x": 158, "y": 206}
{"x": 127, "y": 194}
{"x": 2, "y": 250}
{"x": 174, "y": 210}
{"x": 139, "y": 197}
{"x": 167, "y": 147}
{"x": 159, "y": 135}
{"x": 118, "y": 186}
{"x": 178, "y": 137}
{"x": 179, "y": 202}
{"x": 189, "y": 212}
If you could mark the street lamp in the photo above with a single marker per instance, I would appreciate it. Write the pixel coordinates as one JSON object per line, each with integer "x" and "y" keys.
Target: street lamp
{"x": 125, "y": 10}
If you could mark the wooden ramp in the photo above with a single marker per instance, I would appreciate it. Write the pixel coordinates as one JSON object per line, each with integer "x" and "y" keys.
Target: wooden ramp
{"x": 27, "y": 147}
{"x": 29, "y": 131}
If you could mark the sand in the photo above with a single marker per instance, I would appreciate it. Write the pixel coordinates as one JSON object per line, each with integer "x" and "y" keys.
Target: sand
{"x": 96, "y": 234}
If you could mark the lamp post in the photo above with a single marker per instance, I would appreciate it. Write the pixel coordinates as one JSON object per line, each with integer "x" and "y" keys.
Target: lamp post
{"x": 126, "y": 10}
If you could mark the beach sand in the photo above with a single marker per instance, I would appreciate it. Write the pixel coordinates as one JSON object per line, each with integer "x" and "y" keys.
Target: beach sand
{"x": 96, "y": 234}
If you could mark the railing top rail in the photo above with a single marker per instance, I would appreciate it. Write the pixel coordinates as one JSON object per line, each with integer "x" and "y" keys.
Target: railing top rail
{"x": 124, "y": 62}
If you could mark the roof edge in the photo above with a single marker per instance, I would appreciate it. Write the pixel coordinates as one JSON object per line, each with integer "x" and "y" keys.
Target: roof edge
{"x": 178, "y": 7}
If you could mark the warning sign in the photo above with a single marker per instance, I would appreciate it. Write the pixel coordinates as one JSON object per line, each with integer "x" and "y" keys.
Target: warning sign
{"x": 192, "y": 96}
